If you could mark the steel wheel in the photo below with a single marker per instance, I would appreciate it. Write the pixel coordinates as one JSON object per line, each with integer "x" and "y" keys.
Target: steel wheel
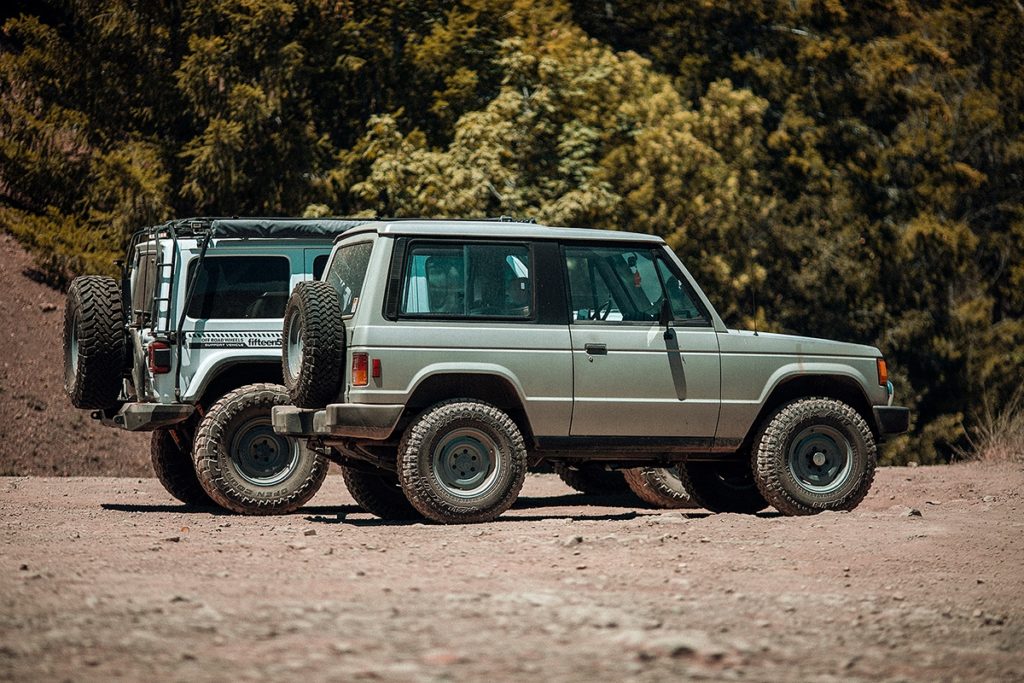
{"x": 294, "y": 344}
{"x": 465, "y": 464}
{"x": 261, "y": 456}
{"x": 820, "y": 459}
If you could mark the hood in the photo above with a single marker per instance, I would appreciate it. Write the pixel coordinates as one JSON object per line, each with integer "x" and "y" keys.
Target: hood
{"x": 745, "y": 341}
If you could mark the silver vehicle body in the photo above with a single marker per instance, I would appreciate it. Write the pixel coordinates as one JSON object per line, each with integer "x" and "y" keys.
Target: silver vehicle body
{"x": 600, "y": 389}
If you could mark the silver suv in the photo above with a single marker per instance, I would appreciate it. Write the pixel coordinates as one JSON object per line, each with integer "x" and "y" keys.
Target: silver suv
{"x": 187, "y": 345}
{"x": 438, "y": 360}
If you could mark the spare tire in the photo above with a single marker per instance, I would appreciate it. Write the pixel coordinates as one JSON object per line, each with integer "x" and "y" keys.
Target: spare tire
{"x": 313, "y": 345}
{"x": 94, "y": 342}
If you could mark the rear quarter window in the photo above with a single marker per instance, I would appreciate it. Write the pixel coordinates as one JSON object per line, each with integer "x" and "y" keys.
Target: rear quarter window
{"x": 348, "y": 272}
{"x": 240, "y": 287}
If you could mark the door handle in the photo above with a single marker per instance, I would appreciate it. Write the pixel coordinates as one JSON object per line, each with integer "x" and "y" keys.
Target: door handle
{"x": 596, "y": 349}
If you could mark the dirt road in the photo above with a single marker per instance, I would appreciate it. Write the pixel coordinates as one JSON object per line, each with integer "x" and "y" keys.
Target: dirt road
{"x": 106, "y": 578}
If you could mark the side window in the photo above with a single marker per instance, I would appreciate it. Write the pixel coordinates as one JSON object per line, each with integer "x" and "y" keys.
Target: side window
{"x": 240, "y": 287}
{"x": 348, "y": 272}
{"x": 467, "y": 281}
{"x": 319, "y": 264}
{"x": 623, "y": 284}
{"x": 143, "y": 284}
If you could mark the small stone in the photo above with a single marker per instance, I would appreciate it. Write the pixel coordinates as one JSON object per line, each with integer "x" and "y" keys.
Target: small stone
{"x": 899, "y": 597}
{"x": 911, "y": 512}
{"x": 912, "y": 463}
{"x": 309, "y": 532}
{"x": 989, "y": 499}
{"x": 172, "y": 539}
{"x": 980, "y": 581}
{"x": 572, "y": 540}
{"x": 23, "y": 568}
{"x": 47, "y": 307}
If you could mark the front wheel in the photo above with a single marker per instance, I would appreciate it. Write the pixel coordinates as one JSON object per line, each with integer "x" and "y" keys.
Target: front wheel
{"x": 171, "y": 454}
{"x": 244, "y": 465}
{"x": 659, "y": 486}
{"x": 379, "y": 493}
{"x": 462, "y": 461}
{"x": 815, "y": 454}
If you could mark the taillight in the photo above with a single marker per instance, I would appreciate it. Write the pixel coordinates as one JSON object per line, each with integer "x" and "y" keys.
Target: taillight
{"x": 883, "y": 372}
{"x": 159, "y": 354}
{"x": 360, "y": 370}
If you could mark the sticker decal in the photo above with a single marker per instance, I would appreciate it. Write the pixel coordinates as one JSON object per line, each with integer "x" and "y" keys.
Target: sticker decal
{"x": 233, "y": 340}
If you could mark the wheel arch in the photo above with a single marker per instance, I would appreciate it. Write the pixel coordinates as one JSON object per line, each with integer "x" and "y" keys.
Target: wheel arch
{"x": 231, "y": 374}
{"x": 487, "y": 386}
{"x": 841, "y": 387}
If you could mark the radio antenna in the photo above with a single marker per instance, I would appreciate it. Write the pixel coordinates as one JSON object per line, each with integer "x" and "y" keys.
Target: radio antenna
{"x": 753, "y": 303}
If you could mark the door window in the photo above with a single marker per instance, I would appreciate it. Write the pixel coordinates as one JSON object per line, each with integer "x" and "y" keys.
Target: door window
{"x": 625, "y": 285}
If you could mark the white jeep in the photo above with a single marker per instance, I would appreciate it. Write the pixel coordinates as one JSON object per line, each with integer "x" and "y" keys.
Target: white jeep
{"x": 187, "y": 345}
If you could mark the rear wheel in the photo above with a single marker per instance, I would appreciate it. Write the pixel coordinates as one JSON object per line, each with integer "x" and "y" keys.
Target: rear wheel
{"x": 659, "y": 486}
{"x": 379, "y": 493}
{"x": 815, "y": 454}
{"x": 722, "y": 486}
{"x": 171, "y": 455}
{"x": 462, "y": 461}
{"x": 94, "y": 342}
{"x": 244, "y": 466}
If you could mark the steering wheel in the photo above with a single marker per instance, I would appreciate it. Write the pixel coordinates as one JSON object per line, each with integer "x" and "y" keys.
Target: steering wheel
{"x": 602, "y": 311}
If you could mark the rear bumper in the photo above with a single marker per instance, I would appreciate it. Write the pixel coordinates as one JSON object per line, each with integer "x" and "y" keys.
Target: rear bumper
{"x": 145, "y": 417}
{"x": 892, "y": 420}
{"x": 351, "y": 420}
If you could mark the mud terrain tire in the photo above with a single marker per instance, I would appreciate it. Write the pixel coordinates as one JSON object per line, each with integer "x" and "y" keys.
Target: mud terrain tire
{"x": 815, "y": 454}
{"x": 592, "y": 480}
{"x": 462, "y": 461}
{"x": 659, "y": 486}
{"x": 94, "y": 342}
{"x": 174, "y": 468}
{"x": 379, "y": 493}
{"x": 722, "y": 486}
{"x": 244, "y": 466}
{"x": 313, "y": 345}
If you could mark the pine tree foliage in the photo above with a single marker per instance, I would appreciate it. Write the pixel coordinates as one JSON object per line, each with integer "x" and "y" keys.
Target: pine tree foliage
{"x": 859, "y": 168}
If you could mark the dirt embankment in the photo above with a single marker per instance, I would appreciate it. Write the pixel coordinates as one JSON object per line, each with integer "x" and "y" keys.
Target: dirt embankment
{"x": 40, "y": 431}
{"x": 110, "y": 579}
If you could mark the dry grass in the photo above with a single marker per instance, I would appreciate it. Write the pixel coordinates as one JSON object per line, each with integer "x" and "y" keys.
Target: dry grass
{"x": 998, "y": 435}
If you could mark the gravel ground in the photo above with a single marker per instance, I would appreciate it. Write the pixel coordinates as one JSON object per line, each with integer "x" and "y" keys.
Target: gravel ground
{"x": 109, "y": 578}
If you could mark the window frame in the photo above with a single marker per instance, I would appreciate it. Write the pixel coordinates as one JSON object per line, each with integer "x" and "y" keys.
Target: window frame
{"x": 398, "y": 278}
{"x": 656, "y": 252}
